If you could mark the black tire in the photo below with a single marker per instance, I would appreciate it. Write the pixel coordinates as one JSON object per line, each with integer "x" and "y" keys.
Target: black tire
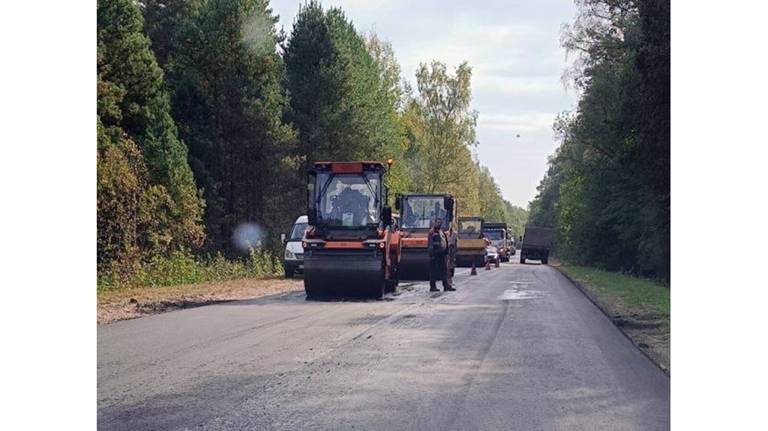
{"x": 522, "y": 259}
{"x": 289, "y": 272}
{"x": 545, "y": 260}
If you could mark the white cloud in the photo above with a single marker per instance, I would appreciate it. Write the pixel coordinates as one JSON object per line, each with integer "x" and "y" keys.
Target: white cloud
{"x": 517, "y": 123}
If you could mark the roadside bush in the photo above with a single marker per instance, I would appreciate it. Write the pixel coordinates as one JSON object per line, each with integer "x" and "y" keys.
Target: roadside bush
{"x": 182, "y": 267}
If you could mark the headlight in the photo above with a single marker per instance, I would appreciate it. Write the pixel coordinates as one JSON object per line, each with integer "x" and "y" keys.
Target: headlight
{"x": 289, "y": 254}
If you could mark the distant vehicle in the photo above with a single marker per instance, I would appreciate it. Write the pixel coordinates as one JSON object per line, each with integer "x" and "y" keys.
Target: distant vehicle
{"x": 491, "y": 254}
{"x": 471, "y": 243}
{"x": 497, "y": 234}
{"x": 536, "y": 244}
{"x": 293, "y": 257}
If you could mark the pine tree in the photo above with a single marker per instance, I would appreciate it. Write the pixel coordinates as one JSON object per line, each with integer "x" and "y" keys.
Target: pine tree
{"x": 147, "y": 199}
{"x": 340, "y": 103}
{"x": 228, "y": 100}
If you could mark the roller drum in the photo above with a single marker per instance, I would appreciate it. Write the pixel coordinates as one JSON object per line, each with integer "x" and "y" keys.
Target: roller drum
{"x": 414, "y": 264}
{"x": 344, "y": 273}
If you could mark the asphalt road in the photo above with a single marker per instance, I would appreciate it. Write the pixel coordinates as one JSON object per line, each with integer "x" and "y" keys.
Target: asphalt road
{"x": 515, "y": 348}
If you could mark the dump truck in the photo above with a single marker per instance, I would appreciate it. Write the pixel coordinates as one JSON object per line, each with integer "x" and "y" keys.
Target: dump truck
{"x": 496, "y": 233}
{"x": 350, "y": 249}
{"x": 471, "y": 242}
{"x": 418, "y": 213}
{"x": 537, "y": 241}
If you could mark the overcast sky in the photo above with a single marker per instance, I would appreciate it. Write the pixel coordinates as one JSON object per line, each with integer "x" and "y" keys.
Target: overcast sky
{"x": 517, "y": 63}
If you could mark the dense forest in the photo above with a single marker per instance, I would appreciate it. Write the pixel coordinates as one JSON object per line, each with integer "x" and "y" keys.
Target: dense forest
{"x": 208, "y": 116}
{"x": 607, "y": 190}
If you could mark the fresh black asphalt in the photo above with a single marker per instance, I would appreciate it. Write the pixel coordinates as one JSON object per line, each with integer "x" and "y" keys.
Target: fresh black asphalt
{"x": 515, "y": 348}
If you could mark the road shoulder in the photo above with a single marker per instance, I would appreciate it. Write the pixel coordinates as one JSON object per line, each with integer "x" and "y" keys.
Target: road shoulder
{"x": 130, "y": 303}
{"x": 639, "y": 308}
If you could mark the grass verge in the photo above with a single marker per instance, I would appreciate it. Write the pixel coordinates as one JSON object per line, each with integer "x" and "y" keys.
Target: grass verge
{"x": 133, "y": 302}
{"x": 184, "y": 268}
{"x": 638, "y": 307}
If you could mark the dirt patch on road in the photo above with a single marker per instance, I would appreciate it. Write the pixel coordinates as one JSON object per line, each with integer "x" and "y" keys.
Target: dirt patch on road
{"x": 131, "y": 303}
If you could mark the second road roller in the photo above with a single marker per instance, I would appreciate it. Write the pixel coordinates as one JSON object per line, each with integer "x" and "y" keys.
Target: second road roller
{"x": 417, "y": 214}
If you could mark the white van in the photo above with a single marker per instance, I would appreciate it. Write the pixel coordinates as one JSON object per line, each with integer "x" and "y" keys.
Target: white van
{"x": 293, "y": 258}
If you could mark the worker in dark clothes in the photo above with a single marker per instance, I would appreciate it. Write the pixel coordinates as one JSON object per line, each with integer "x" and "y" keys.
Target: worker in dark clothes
{"x": 437, "y": 246}
{"x": 451, "y": 257}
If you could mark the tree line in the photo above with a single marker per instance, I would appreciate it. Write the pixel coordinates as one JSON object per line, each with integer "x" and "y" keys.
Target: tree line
{"x": 208, "y": 116}
{"x": 607, "y": 189}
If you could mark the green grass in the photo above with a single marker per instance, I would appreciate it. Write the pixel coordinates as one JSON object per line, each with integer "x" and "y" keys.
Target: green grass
{"x": 184, "y": 268}
{"x": 624, "y": 293}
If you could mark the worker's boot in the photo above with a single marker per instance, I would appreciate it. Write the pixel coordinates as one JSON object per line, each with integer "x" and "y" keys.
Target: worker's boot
{"x": 449, "y": 289}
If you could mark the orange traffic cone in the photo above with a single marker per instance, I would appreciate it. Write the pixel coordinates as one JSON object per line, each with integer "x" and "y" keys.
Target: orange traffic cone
{"x": 474, "y": 270}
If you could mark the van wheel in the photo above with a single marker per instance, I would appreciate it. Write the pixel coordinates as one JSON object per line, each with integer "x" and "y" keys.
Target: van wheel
{"x": 288, "y": 272}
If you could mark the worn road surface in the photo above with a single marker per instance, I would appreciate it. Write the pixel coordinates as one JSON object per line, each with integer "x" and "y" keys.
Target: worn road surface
{"x": 515, "y": 348}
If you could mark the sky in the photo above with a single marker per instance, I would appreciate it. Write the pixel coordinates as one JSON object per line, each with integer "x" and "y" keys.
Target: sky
{"x": 513, "y": 47}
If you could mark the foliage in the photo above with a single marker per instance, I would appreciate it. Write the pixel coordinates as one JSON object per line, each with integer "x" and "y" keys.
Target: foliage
{"x": 165, "y": 21}
{"x": 183, "y": 267}
{"x": 147, "y": 201}
{"x": 229, "y": 102}
{"x": 441, "y": 133}
{"x": 516, "y": 219}
{"x": 121, "y": 181}
{"x": 491, "y": 203}
{"x": 398, "y": 178}
{"x": 340, "y": 104}
{"x": 607, "y": 187}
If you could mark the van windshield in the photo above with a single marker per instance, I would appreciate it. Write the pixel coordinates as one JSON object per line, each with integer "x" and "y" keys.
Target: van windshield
{"x": 298, "y": 231}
